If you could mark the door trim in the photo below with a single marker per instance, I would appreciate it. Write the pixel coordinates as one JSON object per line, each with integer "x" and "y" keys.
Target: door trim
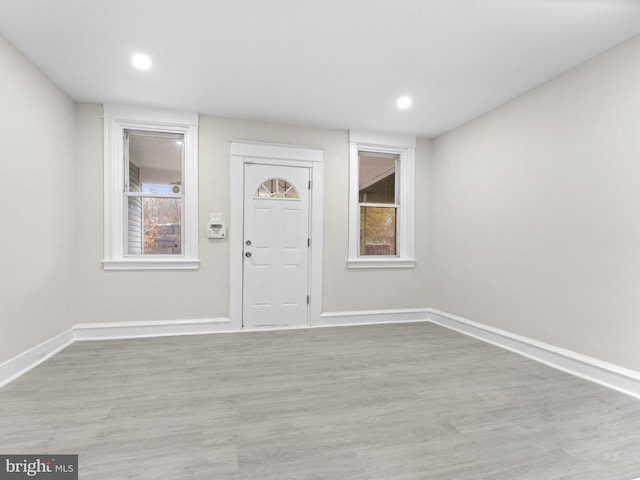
{"x": 243, "y": 152}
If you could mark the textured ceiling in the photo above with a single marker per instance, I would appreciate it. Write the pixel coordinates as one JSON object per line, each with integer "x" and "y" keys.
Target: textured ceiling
{"x": 330, "y": 63}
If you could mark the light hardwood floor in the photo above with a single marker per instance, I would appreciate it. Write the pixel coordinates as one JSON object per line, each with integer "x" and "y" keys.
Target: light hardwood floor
{"x": 405, "y": 401}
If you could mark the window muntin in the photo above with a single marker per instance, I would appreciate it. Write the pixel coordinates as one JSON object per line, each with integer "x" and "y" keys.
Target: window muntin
{"x": 154, "y": 192}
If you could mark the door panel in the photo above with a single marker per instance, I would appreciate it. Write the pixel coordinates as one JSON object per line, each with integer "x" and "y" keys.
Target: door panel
{"x": 276, "y": 251}
{"x": 291, "y": 274}
{"x": 291, "y": 227}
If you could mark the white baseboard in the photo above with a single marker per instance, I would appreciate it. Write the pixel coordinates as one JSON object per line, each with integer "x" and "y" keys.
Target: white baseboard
{"x": 162, "y": 328}
{"x": 21, "y": 364}
{"x": 588, "y": 368}
{"x": 17, "y": 366}
{"x": 603, "y": 373}
{"x": 371, "y": 317}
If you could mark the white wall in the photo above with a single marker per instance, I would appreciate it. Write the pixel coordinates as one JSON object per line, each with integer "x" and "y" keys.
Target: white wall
{"x": 527, "y": 218}
{"x": 535, "y": 213}
{"x": 37, "y": 155}
{"x": 125, "y": 296}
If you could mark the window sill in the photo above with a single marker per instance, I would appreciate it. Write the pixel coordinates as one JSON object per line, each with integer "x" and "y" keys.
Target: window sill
{"x": 151, "y": 263}
{"x": 355, "y": 263}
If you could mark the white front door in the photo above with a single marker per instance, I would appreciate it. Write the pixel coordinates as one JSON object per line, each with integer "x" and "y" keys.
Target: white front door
{"x": 276, "y": 245}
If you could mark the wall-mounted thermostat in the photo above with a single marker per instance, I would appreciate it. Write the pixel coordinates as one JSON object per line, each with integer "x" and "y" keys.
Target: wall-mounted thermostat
{"x": 216, "y": 229}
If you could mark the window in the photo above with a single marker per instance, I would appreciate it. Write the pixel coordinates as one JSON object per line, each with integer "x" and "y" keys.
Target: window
{"x": 276, "y": 188}
{"x": 377, "y": 202}
{"x": 381, "y": 201}
{"x": 154, "y": 192}
{"x": 150, "y": 189}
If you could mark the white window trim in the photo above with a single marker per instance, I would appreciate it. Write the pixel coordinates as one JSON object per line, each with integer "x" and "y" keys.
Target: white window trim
{"x": 404, "y": 147}
{"x": 117, "y": 119}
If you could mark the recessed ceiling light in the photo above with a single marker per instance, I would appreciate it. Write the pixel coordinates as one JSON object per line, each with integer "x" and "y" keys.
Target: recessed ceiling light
{"x": 403, "y": 102}
{"x": 141, "y": 61}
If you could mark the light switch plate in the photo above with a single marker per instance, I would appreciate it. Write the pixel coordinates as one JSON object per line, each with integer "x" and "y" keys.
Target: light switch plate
{"x": 215, "y": 218}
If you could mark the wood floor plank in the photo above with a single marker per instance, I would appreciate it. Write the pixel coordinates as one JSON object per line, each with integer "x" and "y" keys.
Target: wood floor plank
{"x": 401, "y": 402}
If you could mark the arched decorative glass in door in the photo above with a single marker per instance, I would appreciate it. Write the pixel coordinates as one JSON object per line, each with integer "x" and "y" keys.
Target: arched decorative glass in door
{"x": 277, "y": 188}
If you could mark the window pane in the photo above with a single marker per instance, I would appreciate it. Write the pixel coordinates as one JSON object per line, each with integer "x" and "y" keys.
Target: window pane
{"x": 276, "y": 188}
{"x": 155, "y": 166}
{"x": 377, "y": 178}
{"x": 155, "y": 162}
{"x": 377, "y": 231}
{"x": 162, "y": 226}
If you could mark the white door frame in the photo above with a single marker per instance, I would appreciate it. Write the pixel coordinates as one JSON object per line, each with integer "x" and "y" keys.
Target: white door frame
{"x": 243, "y": 152}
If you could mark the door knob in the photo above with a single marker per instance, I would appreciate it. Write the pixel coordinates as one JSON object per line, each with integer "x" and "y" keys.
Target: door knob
{"x": 247, "y": 254}
{"x": 248, "y": 242}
